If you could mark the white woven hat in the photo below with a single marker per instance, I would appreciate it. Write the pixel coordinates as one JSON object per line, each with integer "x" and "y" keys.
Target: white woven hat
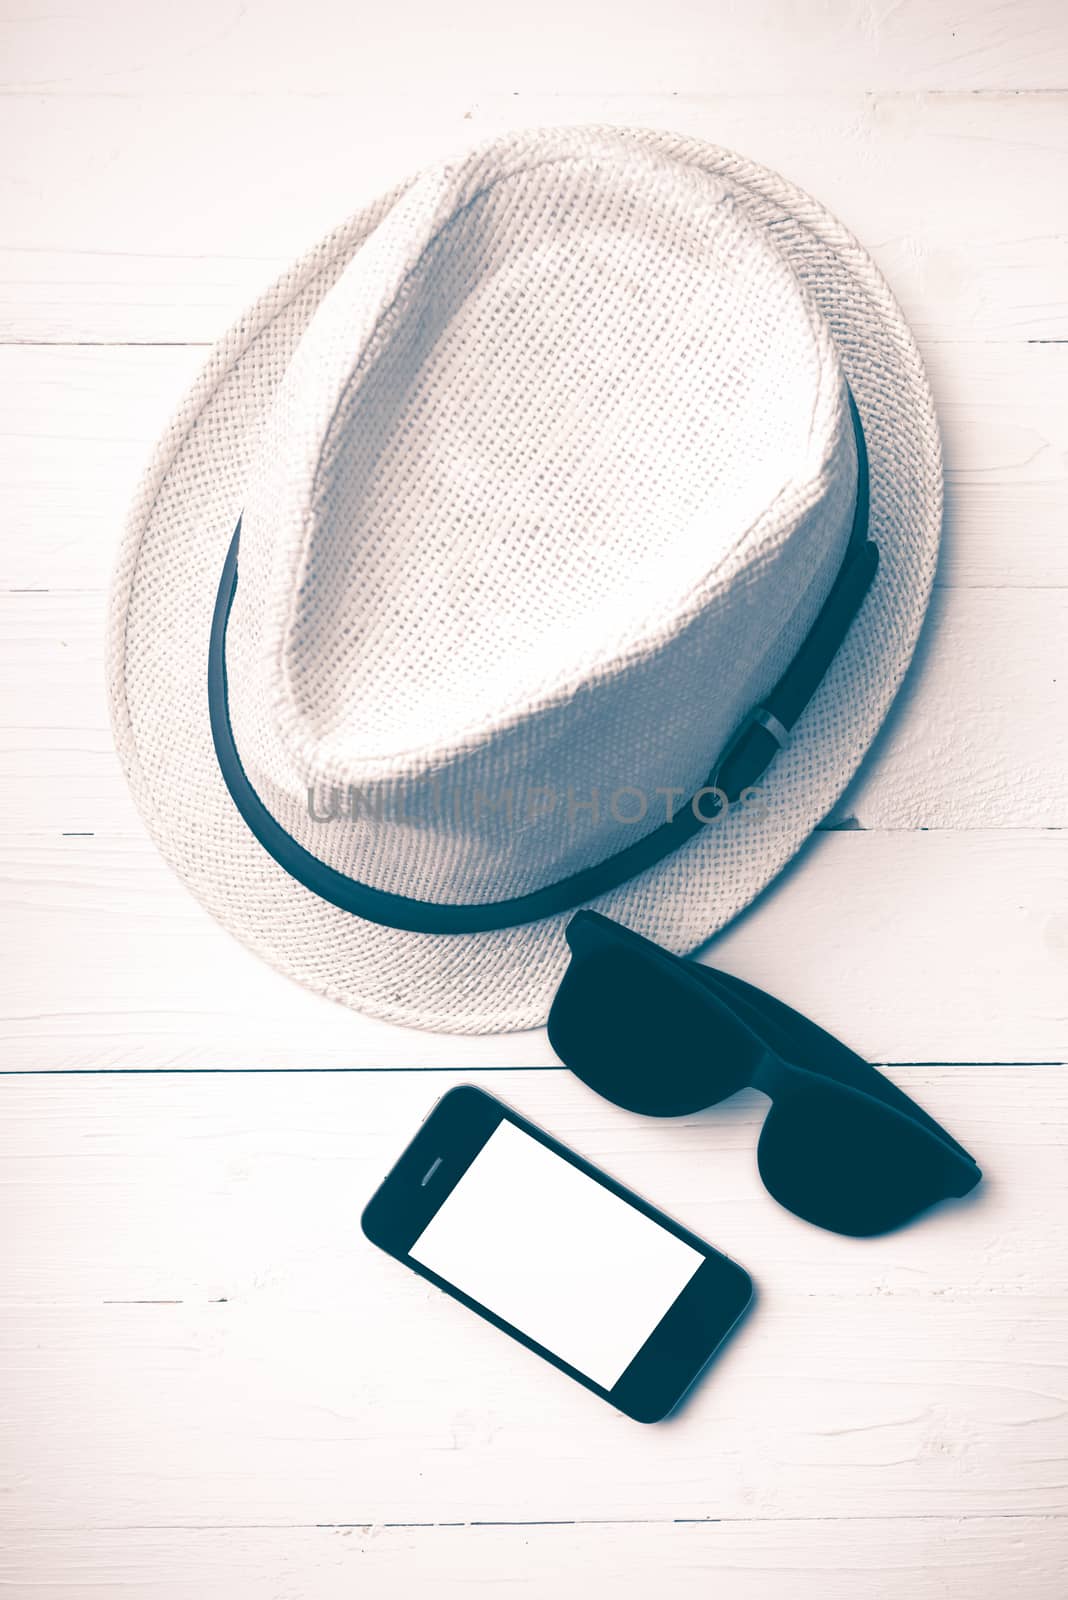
{"x": 547, "y": 476}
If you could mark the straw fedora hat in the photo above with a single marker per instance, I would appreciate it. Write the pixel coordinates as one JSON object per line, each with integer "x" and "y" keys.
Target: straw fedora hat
{"x": 557, "y": 532}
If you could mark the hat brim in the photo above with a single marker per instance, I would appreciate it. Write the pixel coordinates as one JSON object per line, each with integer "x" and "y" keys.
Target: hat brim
{"x": 164, "y": 591}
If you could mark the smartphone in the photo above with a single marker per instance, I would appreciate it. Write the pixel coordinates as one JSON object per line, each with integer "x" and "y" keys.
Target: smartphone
{"x": 554, "y": 1252}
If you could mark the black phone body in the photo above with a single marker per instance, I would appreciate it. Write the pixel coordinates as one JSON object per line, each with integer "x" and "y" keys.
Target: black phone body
{"x": 557, "y": 1254}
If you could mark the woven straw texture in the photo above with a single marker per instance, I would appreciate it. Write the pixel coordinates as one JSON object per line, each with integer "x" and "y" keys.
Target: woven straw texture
{"x": 545, "y": 469}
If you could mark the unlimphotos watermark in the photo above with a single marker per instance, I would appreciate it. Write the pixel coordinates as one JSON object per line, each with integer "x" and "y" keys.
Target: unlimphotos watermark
{"x": 428, "y": 804}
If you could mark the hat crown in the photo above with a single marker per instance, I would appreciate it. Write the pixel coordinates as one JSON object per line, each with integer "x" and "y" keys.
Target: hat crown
{"x": 555, "y": 483}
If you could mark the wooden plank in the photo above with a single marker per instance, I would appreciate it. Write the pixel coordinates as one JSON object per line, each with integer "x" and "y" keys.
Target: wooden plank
{"x": 77, "y": 425}
{"x": 979, "y": 734}
{"x": 116, "y": 48}
{"x": 76, "y": 428}
{"x": 1005, "y": 438}
{"x": 194, "y": 1333}
{"x": 158, "y": 216}
{"x": 959, "y": 750}
{"x": 913, "y": 946}
{"x": 917, "y": 1558}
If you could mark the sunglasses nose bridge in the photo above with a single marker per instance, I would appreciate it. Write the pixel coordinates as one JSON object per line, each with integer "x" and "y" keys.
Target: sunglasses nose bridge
{"x": 772, "y": 1075}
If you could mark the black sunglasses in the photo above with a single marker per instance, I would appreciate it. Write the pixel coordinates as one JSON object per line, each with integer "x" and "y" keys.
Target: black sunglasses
{"x": 656, "y": 1034}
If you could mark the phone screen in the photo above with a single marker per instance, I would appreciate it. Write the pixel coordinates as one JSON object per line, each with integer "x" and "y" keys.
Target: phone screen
{"x": 551, "y": 1251}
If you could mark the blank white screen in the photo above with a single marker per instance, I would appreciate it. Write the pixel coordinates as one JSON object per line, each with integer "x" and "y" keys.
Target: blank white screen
{"x": 554, "y": 1253}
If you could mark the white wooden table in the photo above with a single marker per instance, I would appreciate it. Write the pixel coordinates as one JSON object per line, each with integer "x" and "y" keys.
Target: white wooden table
{"x": 210, "y": 1385}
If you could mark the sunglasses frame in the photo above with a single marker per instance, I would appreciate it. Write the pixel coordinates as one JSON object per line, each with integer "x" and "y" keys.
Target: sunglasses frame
{"x": 771, "y": 1028}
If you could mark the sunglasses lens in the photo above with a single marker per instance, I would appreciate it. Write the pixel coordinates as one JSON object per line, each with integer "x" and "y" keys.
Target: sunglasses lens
{"x": 646, "y": 1039}
{"x": 844, "y": 1162}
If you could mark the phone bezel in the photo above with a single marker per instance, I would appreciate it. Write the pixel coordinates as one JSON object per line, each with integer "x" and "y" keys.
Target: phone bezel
{"x": 682, "y": 1343}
